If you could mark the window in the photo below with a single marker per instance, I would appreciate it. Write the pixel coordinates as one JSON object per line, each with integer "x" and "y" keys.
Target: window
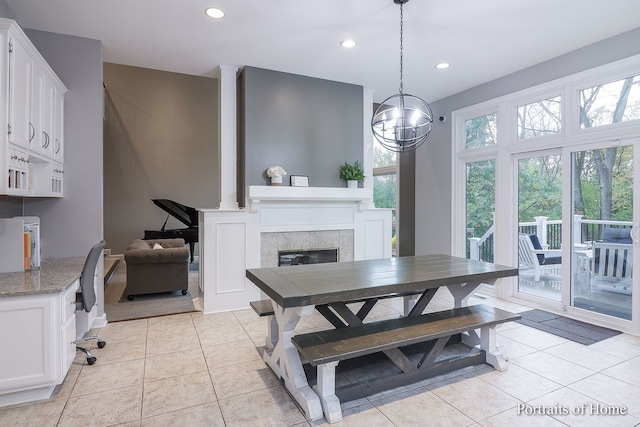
{"x": 610, "y": 103}
{"x": 480, "y": 131}
{"x": 539, "y": 118}
{"x": 385, "y": 191}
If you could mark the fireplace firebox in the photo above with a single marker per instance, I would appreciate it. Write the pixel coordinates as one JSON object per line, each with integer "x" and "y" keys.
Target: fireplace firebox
{"x": 313, "y": 256}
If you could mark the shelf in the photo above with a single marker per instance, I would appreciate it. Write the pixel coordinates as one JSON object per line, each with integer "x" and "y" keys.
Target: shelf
{"x": 257, "y": 194}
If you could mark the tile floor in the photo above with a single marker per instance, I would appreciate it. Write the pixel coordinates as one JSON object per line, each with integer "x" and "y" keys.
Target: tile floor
{"x": 206, "y": 370}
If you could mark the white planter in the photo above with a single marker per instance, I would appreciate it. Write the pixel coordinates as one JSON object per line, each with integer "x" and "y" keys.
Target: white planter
{"x": 276, "y": 180}
{"x": 352, "y": 183}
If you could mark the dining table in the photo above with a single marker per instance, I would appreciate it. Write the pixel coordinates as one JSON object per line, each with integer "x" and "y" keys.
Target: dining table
{"x": 345, "y": 293}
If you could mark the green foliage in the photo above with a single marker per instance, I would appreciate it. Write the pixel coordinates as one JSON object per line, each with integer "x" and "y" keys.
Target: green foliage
{"x": 384, "y": 191}
{"x": 481, "y": 185}
{"x": 353, "y": 171}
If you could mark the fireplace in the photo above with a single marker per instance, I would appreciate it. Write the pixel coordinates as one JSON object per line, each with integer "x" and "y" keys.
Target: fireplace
{"x": 314, "y": 256}
{"x": 284, "y": 219}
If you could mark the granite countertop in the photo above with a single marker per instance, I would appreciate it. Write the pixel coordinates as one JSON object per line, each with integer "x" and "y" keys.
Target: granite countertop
{"x": 54, "y": 275}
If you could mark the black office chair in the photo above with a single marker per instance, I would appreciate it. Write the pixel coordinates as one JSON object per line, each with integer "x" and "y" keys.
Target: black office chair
{"x": 86, "y": 298}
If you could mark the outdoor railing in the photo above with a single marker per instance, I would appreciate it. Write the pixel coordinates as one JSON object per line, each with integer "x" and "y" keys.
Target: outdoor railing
{"x": 549, "y": 233}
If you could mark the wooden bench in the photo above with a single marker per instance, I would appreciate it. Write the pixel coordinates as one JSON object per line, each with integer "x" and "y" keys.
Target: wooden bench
{"x": 325, "y": 349}
{"x": 262, "y": 307}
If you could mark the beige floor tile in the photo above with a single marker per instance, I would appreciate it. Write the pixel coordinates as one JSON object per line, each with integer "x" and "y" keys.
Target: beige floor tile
{"x": 514, "y": 348}
{"x": 552, "y": 368}
{"x": 103, "y": 408}
{"x": 242, "y": 378}
{"x": 520, "y": 383}
{"x": 630, "y": 339}
{"x": 618, "y": 347}
{"x": 585, "y": 356}
{"x": 470, "y": 396}
{"x": 267, "y": 407}
{"x": 218, "y": 356}
{"x": 364, "y": 415}
{"x": 513, "y": 418}
{"x": 120, "y": 351}
{"x": 532, "y": 337}
{"x": 42, "y": 414}
{"x": 124, "y": 331}
{"x": 174, "y": 365}
{"x": 257, "y": 331}
{"x": 426, "y": 409}
{"x": 173, "y": 343}
{"x": 228, "y": 334}
{"x": 170, "y": 325}
{"x": 108, "y": 377}
{"x": 176, "y": 393}
{"x": 628, "y": 371}
{"x": 215, "y": 320}
{"x": 245, "y": 316}
{"x": 206, "y": 415}
{"x": 572, "y": 402}
{"x": 610, "y": 391}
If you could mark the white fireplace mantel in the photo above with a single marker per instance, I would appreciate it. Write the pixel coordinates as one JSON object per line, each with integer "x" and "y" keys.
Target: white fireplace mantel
{"x": 259, "y": 193}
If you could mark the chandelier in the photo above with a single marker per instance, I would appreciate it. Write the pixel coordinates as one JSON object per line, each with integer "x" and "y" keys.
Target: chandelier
{"x": 402, "y": 122}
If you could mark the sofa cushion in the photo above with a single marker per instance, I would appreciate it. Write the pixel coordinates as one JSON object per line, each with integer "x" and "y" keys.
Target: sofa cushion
{"x": 157, "y": 246}
{"x": 138, "y": 244}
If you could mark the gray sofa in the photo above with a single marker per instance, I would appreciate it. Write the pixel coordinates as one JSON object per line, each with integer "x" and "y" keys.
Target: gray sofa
{"x": 156, "y": 270}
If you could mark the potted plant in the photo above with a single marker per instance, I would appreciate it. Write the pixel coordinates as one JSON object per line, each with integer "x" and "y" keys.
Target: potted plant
{"x": 352, "y": 173}
{"x": 276, "y": 173}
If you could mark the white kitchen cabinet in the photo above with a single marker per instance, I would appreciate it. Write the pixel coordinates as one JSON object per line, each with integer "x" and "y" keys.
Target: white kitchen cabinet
{"x": 34, "y": 100}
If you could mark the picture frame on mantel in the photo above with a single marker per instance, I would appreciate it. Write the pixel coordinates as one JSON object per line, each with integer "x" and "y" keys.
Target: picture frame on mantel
{"x": 299, "y": 181}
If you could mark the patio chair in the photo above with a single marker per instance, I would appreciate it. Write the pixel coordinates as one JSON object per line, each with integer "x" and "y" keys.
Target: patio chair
{"x": 532, "y": 256}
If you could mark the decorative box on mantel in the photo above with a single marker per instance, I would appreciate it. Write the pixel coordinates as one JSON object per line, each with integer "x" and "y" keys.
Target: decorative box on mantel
{"x": 258, "y": 193}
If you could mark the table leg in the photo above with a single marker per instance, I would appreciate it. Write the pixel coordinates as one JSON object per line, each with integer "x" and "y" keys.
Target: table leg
{"x": 285, "y": 361}
{"x": 462, "y": 291}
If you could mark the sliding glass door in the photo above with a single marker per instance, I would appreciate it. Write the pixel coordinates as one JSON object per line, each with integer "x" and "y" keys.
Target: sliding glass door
{"x": 602, "y": 188}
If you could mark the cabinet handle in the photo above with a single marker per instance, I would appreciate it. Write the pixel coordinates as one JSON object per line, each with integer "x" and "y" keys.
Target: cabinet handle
{"x": 32, "y": 132}
{"x": 14, "y": 157}
{"x": 57, "y": 146}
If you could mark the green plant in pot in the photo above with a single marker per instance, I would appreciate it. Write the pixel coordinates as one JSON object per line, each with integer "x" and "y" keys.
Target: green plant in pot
{"x": 352, "y": 173}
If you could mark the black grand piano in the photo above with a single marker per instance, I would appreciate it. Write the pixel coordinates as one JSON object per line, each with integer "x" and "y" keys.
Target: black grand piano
{"x": 185, "y": 214}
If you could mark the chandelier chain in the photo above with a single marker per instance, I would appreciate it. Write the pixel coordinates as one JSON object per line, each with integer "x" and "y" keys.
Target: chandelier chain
{"x": 401, "y": 20}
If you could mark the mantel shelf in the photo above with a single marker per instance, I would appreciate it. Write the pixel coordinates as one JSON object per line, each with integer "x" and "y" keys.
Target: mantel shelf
{"x": 260, "y": 193}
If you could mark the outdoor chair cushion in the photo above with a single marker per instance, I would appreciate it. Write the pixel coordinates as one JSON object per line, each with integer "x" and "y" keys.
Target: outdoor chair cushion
{"x": 541, "y": 258}
{"x": 616, "y": 235}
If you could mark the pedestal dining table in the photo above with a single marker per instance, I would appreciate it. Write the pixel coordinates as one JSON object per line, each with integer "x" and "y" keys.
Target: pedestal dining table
{"x": 333, "y": 288}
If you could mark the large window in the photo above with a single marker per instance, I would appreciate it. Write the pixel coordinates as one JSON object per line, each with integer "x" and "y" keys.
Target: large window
{"x": 610, "y": 103}
{"x": 539, "y": 118}
{"x": 385, "y": 191}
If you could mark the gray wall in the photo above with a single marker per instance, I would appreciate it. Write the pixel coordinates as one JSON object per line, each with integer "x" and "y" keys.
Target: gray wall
{"x": 160, "y": 133}
{"x": 5, "y": 11}
{"x": 306, "y": 125}
{"x": 433, "y": 160}
{"x": 73, "y": 224}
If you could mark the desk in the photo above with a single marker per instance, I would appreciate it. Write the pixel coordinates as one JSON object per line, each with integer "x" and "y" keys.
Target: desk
{"x": 296, "y": 291}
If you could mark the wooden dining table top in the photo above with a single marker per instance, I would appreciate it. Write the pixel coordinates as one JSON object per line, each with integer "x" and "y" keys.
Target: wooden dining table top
{"x": 313, "y": 284}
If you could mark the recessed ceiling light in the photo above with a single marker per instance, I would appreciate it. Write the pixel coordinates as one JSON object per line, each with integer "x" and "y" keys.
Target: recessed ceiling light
{"x": 442, "y": 65}
{"x": 214, "y": 12}
{"x": 348, "y": 44}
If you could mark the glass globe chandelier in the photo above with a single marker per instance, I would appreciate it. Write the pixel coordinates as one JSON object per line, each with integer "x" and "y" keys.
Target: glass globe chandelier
{"x": 402, "y": 122}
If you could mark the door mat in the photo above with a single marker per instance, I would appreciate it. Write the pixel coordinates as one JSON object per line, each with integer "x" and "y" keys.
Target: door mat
{"x": 574, "y": 330}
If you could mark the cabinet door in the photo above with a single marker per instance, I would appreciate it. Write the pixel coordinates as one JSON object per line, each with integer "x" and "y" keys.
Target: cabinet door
{"x": 58, "y": 126}
{"x": 39, "y": 142}
{"x": 48, "y": 100}
{"x": 28, "y": 350}
{"x": 20, "y": 79}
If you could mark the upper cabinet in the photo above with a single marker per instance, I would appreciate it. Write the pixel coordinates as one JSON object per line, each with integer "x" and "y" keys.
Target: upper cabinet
{"x": 34, "y": 121}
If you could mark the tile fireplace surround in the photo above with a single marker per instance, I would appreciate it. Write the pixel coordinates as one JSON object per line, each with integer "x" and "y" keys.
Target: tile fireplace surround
{"x": 284, "y": 218}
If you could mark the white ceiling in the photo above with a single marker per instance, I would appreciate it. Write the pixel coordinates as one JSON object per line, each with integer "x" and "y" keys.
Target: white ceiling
{"x": 482, "y": 39}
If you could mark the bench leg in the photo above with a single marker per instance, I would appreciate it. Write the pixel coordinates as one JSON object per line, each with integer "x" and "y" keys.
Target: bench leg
{"x": 488, "y": 344}
{"x": 327, "y": 391}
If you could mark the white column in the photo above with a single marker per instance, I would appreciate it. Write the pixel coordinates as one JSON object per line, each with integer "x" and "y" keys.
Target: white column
{"x": 227, "y": 150}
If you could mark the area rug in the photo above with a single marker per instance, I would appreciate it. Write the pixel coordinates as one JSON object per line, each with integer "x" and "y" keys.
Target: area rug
{"x": 574, "y": 330}
{"x": 118, "y": 308}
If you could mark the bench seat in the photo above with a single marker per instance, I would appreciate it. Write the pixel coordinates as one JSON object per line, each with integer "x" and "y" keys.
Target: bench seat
{"x": 325, "y": 349}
